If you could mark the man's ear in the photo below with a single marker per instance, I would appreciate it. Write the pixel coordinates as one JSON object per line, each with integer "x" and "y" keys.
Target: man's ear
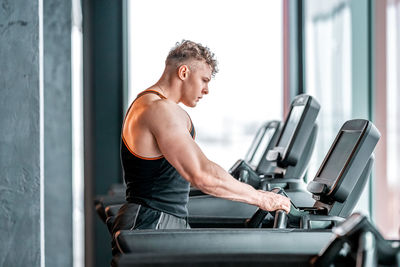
{"x": 183, "y": 72}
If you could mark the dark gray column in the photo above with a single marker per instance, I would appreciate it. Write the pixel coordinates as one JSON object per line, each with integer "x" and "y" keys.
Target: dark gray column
{"x": 296, "y": 47}
{"x": 19, "y": 134}
{"x": 293, "y": 51}
{"x": 105, "y": 66}
{"x": 57, "y": 132}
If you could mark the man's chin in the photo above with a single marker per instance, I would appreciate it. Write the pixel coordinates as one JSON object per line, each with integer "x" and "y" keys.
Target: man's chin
{"x": 190, "y": 105}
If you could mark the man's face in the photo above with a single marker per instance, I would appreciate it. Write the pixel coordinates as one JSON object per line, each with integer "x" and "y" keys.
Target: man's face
{"x": 196, "y": 84}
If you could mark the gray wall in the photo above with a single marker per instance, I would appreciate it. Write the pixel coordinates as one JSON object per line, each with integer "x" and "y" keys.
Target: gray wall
{"x": 57, "y": 132}
{"x": 20, "y": 132}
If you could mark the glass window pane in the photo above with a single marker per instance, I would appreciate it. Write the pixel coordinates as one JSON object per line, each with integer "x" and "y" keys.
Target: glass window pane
{"x": 391, "y": 223}
{"x": 330, "y": 73}
{"x": 328, "y": 69}
{"x": 246, "y": 37}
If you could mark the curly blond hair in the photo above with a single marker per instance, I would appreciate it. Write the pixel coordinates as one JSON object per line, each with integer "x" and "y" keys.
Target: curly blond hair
{"x": 187, "y": 50}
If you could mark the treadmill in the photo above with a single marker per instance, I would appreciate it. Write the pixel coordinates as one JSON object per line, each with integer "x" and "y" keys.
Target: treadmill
{"x": 335, "y": 188}
{"x": 334, "y": 191}
{"x": 355, "y": 242}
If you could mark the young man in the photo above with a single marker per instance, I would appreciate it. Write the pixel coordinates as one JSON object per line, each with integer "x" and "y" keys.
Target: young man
{"x": 160, "y": 157}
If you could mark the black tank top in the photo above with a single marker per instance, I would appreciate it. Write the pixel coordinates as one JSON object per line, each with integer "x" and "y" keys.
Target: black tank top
{"x": 154, "y": 182}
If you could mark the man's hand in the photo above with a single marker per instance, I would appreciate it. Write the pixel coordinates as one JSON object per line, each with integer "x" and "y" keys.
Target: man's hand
{"x": 271, "y": 201}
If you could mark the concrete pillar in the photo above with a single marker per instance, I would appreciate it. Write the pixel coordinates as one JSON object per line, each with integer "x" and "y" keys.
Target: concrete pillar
{"x": 35, "y": 133}
{"x": 57, "y": 132}
{"x": 20, "y": 134}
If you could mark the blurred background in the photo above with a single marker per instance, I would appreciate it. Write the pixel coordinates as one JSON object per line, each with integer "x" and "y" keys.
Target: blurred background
{"x": 71, "y": 68}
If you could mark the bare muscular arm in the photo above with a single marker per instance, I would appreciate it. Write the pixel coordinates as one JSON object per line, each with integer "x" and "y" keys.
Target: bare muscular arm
{"x": 168, "y": 124}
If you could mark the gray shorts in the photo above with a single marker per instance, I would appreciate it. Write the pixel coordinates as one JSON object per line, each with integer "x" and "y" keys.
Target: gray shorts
{"x": 147, "y": 218}
{"x": 132, "y": 216}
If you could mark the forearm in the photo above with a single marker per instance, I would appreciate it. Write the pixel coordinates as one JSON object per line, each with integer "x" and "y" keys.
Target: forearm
{"x": 193, "y": 165}
{"x": 216, "y": 181}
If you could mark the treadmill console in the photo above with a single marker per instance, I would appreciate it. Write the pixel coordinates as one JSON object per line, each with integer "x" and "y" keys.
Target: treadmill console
{"x": 337, "y": 174}
{"x": 295, "y": 133}
{"x": 245, "y": 173}
{"x": 265, "y": 139}
{"x": 244, "y": 170}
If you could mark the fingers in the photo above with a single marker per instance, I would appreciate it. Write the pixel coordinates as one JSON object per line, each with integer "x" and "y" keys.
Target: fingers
{"x": 284, "y": 203}
{"x": 274, "y": 201}
{"x": 287, "y": 205}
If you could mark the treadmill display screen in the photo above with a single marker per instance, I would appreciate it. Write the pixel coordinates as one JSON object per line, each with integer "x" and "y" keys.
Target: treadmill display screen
{"x": 254, "y": 145}
{"x": 340, "y": 154}
{"x": 291, "y": 125}
{"x": 262, "y": 146}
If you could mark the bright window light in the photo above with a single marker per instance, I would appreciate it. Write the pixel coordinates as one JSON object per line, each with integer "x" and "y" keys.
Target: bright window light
{"x": 246, "y": 37}
{"x": 392, "y": 222}
{"x": 78, "y": 217}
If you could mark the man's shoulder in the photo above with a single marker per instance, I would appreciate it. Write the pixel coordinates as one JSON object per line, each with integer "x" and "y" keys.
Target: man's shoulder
{"x": 163, "y": 109}
{"x": 162, "y": 105}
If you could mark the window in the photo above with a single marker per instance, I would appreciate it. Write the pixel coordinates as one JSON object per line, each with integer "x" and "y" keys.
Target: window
{"x": 328, "y": 69}
{"x": 387, "y": 88}
{"x": 392, "y": 222}
{"x": 246, "y": 37}
{"x": 336, "y": 71}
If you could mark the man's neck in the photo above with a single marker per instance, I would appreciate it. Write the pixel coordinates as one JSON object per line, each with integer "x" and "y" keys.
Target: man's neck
{"x": 170, "y": 88}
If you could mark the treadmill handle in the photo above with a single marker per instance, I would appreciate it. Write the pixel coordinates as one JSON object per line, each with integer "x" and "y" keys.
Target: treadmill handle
{"x": 281, "y": 219}
{"x": 244, "y": 176}
{"x": 256, "y": 220}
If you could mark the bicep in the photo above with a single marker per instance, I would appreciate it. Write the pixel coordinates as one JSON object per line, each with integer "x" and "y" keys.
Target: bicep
{"x": 177, "y": 145}
{"x": 182, "y": 152}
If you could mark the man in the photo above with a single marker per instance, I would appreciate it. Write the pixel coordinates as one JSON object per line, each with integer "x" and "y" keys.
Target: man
{"x": 160, "y": 157}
